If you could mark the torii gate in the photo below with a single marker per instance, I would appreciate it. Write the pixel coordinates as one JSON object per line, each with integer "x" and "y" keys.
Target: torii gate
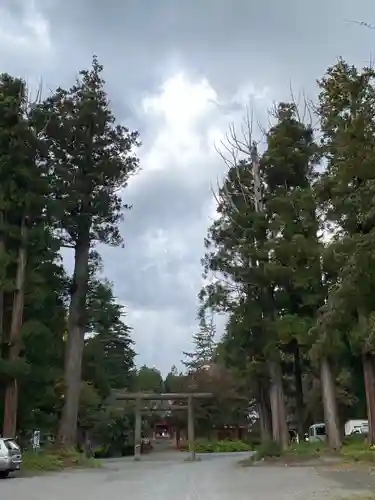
{"x": 138, "y": 397}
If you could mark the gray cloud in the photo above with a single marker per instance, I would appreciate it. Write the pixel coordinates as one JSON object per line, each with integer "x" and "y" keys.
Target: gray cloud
{"x": 238, "y": 48}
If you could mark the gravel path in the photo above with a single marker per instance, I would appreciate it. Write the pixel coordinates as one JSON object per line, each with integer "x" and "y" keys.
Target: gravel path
{"x": 214, "y": 477}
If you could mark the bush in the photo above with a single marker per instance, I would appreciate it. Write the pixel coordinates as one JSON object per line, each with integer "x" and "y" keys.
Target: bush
{"x": 224, "y": 446}
{"x": 103, "y": 451}
{"x": 254, "y": 441}
{"x": 111, "y": 451}
{"x": 271, "y": 449}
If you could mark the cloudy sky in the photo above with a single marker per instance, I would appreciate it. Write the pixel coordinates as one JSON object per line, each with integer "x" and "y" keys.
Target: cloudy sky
{"x": 180, "y": 71}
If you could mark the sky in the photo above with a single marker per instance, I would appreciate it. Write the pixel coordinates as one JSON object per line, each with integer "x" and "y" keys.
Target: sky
{"x": 180, "y": 72}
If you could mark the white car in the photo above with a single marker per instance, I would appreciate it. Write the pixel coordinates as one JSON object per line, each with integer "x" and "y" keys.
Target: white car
{"x": 10, "y": 457}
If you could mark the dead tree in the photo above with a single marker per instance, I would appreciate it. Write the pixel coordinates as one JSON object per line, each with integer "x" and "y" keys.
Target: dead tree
{"x": 235, "y": 149}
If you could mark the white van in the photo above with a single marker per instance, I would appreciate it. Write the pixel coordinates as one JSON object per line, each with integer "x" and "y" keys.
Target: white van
{"x": 356, "y": 426}
{"x": 317, "y": 432}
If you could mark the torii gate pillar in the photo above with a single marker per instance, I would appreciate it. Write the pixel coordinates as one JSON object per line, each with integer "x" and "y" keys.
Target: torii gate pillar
{"x": 191, "y": 429}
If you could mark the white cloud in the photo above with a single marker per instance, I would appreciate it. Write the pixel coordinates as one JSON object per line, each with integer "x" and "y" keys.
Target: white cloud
{"x": 180, "y": 102}
{"x": 160, "y": 336}
{"x": 180, "y": 108}
{"x": 31, "y": 35}
{"x": 188, "y": 120}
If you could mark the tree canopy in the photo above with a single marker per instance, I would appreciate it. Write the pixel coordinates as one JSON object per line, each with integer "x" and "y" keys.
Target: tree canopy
{"x": 288, "y": 261}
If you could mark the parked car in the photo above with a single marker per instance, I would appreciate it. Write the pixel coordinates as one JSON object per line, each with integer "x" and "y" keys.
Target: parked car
{"x": 317, "y": 432}
{"x": 10, "y": 457}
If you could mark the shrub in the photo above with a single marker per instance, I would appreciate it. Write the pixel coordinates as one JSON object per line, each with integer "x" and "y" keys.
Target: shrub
{"x": 110, "y": 451}
{"x": 254, "y": 441}
{"x": 224, "y": 446}
{"x": 270, "y": 449}
{"x": 102, "y": 451}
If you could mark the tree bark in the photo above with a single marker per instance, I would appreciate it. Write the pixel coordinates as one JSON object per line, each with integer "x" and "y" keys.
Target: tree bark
{"x": 11, "y": 389}
{"x": 279, "y": 424}
{"x": 264, "y": 410}
{"x": 67, "y": 433}
{"x": 299, "y": 392}
{"x": 330, "y": 404}
{"x": 2, "y": 256}
{"x": 369, "y": 379}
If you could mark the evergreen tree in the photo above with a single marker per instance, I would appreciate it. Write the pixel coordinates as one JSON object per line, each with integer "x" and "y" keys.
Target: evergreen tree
{"x": 89, "y": 159}
{"x": 173, "y": 381}
{"x": 346, "y": 110}
{"x": 21, "y": 209}
{"x": 295, "y": 266}
{"x": 34, "y": 289}
{"x": 108, "y": 358}
{"x": 204, "y": 348}
{"x": 148, "y": 380}
{"x": 237, "y": 249}
{"x": 42, "y": 345}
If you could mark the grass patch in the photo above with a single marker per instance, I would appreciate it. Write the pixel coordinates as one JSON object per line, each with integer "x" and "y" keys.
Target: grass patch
{"x": 266, "y": 450}
{"x": 51, "y": 460}
{"x": 271, "y": 451}
{"x": 354, "y": 449}
{"x": 307, "y": 451}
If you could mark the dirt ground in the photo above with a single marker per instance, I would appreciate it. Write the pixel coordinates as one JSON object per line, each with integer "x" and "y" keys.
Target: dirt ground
{"x": 214, "y": 477}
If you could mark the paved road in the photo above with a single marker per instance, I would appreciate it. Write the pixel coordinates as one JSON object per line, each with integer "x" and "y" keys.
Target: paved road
{"x": 213, "y": 478}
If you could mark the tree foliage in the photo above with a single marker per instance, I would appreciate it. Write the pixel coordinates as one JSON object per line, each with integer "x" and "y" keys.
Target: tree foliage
{"x": 63, "y": 162}
{"x": 296, "y": 304}
{"x": 204, "y": 347}
{"x": 289, "y": 260}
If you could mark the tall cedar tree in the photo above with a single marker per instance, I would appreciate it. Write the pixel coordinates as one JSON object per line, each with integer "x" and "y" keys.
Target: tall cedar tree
{"x": 43, "y": 328}
{"x": 295, "y": 267}
{"x": 346, "y": 111}
{"x": 90, "y": 159}
{"x": 204, "y": 348}
{"x": 20, "y": 209}
{"x": 237, "y": 249}
{"x": 241, "y": 349}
